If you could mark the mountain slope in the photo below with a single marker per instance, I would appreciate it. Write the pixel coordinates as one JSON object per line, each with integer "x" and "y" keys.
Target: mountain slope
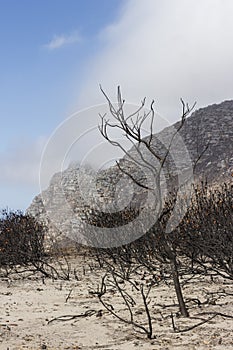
{"x": 75, "y": 192}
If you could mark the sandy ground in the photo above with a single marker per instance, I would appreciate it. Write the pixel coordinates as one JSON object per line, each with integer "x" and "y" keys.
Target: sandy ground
{"x": 29, "y": 305}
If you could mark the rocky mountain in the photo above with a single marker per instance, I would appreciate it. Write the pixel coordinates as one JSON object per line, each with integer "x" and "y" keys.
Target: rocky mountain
{"x": 210, "y": 130}
{"x": 203, "y": 149}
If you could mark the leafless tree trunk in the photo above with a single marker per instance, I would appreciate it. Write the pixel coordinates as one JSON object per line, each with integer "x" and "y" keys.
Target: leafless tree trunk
{"x": 132, "y": 128}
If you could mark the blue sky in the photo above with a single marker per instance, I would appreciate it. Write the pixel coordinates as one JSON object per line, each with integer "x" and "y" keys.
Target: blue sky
{"x": 54, "y": 53}
{"x": 36, "y": 81}
{"x": 45, "y": 47}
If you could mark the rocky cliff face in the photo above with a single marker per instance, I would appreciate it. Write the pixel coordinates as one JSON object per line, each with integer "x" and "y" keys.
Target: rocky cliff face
{"x": 207, "y": 134}
{"x": 213, "y": 127}
{"x": 74, "y": 193}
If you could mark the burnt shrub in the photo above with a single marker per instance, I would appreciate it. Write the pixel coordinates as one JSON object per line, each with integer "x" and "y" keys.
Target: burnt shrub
{"x": 21, "y": 238}
{"x": 205, "y": 234}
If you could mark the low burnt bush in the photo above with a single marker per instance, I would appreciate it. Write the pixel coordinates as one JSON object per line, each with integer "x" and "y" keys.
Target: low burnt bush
{"x": 21, "y": 239}
{"x": 206, "y": 232}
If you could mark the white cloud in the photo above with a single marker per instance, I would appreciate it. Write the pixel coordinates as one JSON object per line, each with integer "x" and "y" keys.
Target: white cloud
{"x": 20, "y": 169}
{"x": 59, "y": 41}
{"x": 21, "y": 162}
{"x": 166, "y": 49}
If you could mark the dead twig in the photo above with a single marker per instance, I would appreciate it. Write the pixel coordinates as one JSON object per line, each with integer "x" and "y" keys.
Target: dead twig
{"x": 194, "y": 326}
{"x": 68, "y": 296}
{"x": 214, "y": 314}
{"x": 65, "y": 318}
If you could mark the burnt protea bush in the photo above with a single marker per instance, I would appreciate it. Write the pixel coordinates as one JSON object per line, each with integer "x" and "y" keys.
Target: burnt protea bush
{"x": 206, "y": 233}
{"x": 21, "y": 239}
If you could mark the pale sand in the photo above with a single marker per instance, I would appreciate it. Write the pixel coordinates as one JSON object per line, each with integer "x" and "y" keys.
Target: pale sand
{"x": 28, "y": 305}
